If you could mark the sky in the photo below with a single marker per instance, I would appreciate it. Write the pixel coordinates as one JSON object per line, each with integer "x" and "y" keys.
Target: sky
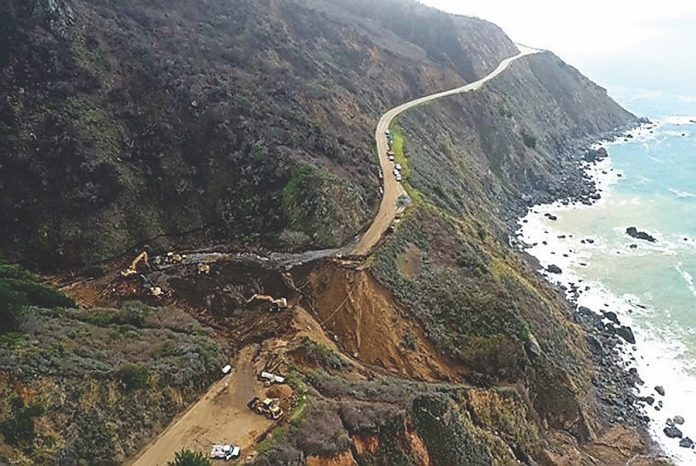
{"x": 646, "y": 45}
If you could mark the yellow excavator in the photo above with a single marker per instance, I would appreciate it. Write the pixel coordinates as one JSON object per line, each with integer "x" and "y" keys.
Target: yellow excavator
{"x": 276, "y": 304}
{"x": 133, "y": 269}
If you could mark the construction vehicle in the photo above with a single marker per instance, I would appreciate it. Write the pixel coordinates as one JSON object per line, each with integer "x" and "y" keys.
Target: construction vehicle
{"x": 150, "y": 287}
{"x": 277, "y": 305}
{"x": 133, "y": 269}
{"x": 267, "y": 407}
{"x": 225, "y": 452}
{"x": 269, "y": 378}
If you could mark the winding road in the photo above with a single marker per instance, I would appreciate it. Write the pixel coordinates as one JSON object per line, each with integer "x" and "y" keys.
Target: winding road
{"x": 393, "y": 189}
{"x": 222, "y": 415}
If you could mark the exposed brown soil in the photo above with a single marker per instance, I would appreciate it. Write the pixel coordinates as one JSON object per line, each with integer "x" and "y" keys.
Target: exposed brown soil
{"x": 371, "y": 326}
{"x": 344, "y": 459}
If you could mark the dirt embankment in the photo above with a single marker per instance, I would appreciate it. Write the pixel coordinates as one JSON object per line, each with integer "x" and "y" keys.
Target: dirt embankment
{"x": 370, "y": 326}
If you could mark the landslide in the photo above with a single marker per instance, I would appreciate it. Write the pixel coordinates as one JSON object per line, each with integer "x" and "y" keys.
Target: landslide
{"x": 189, "y": 123}
{"x": 370, "y": 325}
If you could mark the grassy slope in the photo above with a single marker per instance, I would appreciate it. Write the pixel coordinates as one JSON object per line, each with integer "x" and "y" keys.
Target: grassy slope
{"x": 92, "y": 385}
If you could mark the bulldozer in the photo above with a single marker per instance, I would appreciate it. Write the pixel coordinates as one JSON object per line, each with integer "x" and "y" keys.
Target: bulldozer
{"x": 133, "y": 269}
{"x": 277, "y": 305}
{"x": 267, "y": 407}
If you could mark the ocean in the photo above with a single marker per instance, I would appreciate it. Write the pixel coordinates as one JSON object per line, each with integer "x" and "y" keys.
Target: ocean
{"x": 648, "y": 182}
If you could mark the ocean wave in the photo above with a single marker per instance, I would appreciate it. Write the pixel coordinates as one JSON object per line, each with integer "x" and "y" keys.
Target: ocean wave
{"x": 688, "y": 278}
{"x": 678, "y": 120}
{"x": 660, "y": 356}
{"x": 682, "y": 194}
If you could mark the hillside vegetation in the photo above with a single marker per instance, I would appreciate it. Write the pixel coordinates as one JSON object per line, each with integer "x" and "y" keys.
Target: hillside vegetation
{"x": 91, "y": 386}
{"x": 239, "y": 122}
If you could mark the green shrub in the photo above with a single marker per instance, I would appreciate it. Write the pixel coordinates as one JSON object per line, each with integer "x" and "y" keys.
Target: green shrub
{"x": 133, "y": 376}
{"x": 322, "y": 355}
{"x": 190, "y": 458}
{"x": 18, "y": 430}
{"x": 19, "y": 289}
{"x": 529, "y": 140}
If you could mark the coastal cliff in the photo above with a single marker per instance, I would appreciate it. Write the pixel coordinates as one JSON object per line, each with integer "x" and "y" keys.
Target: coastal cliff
{"x": 249, "y": 124}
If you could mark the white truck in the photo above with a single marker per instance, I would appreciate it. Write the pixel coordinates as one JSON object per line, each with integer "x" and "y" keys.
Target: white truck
{"x": 225, "y": 452}
{"x": 271, "y": 378}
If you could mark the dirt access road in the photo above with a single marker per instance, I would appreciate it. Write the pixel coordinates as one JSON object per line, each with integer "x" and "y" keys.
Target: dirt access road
{"x": 221, "y": 416}
{"x": 392, "y": 188}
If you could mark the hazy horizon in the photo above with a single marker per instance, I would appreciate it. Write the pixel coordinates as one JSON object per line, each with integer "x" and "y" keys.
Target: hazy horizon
{"x": 620, "y": 45}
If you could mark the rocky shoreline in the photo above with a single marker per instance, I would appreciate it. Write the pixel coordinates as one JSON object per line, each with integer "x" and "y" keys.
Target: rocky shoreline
{"x": 611, "y": 343}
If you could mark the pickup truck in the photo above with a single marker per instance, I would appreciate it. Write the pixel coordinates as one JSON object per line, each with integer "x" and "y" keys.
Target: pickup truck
{"x": 225, "y": 452}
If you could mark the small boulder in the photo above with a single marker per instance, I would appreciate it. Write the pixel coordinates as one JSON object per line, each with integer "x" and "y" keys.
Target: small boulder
{"x": 672, "y": 432}
{"x": 660, "y": 390}
{"x": 678, "y": 420}
{"x": 612, "y": 317}
{"x": 627, "y": 334}
{"x": 686, "y": 442}
{"x": 554, "y": 269}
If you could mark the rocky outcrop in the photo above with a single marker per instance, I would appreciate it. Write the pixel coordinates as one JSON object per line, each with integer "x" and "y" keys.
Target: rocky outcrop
{"x": 633, "y": 232}
{"x": 56, "y": 15}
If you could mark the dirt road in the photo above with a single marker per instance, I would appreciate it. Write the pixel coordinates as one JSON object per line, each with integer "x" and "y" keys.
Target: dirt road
{"x": 221, "y": 416}
{"x": 392, "y": 188}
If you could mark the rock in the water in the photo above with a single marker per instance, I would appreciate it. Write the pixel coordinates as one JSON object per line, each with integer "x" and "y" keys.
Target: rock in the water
{"x": 612, "y": 317}
{"x": 678, "y": 420}
{"x": 686, "y": 442}
{"x": 672, "y": 432}
{"x": 634, "y": 233}
{"x": 554, "y": 269}
{"x": 627, "y": 334}
{"x": 660, "y": 390}
{"x": 648, "y": 399}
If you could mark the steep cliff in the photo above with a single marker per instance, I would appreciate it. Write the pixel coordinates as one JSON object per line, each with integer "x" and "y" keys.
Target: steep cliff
{"x": 250, "y": 123}
{"x": 247, "y": 123}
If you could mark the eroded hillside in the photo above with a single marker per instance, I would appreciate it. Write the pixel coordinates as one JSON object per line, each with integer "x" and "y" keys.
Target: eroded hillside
{"x": 250, "y": 124}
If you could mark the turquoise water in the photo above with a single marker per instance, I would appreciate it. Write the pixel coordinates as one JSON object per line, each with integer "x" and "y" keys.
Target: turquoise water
{"x": 648, "y": 182}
